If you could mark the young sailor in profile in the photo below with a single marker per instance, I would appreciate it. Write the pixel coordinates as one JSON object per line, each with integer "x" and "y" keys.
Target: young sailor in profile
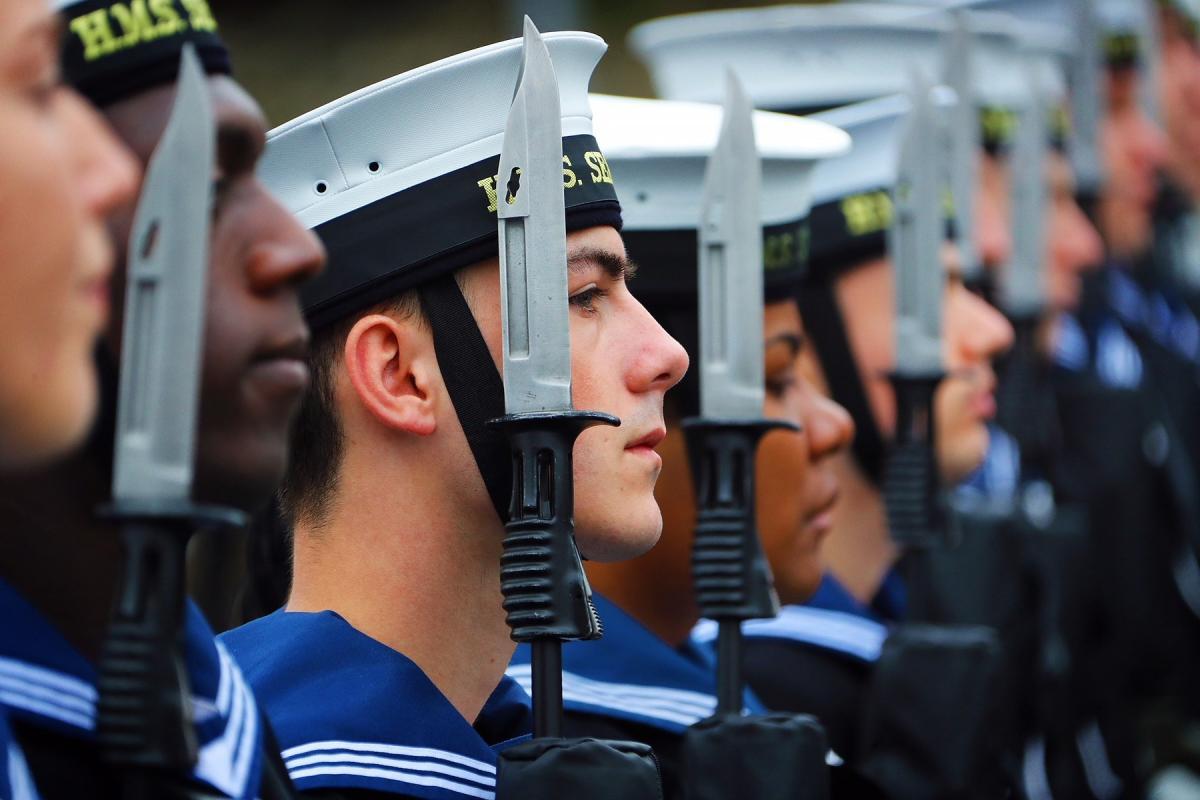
{"x": 646, "y": 679}
{"x": 64, "y": 173}
{"x": 63, "y": 183}
{"x": 384, "y": 673}
{"x": 58, "y": 609}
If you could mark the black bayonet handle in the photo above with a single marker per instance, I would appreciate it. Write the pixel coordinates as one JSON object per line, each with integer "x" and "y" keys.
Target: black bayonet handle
{"x": 1026, "y": 409}
{"x": 144, "y": 719}
{"x": 730, "y": 574}
{"x": 911, "y": 484}
{"x": 547, "y": 598}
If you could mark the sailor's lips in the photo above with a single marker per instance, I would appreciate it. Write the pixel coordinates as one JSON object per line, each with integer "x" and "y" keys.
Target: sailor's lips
{"x": 644, "y": 445}
{"x": 820, "y": 521}
{"x": 282, "y": 369}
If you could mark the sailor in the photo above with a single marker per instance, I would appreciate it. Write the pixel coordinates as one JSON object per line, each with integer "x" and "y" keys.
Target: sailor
{"x": 847, "y": 314}
{"x": 384, "y": 673}
{"x": 869, "y": 37}
{"x": 1135, "y": 322}
{"x": 57, "y": 608}
{"x": 64, "y": 173}
{"x": 1177, "y": 230}
{"x": 647, "y": 679}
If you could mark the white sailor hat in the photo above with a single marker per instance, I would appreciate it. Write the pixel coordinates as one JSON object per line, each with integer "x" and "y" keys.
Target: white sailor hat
{"x": 398, "y": 179}
{"x": 851, "y": 194}
{"x": 1124, "y": 24}
{"x": 1049, "y": 12}
{"x": 801, "y": 58}
{"x": 659, "y": 150}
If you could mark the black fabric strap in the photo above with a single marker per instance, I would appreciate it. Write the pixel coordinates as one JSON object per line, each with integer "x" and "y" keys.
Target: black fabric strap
{"x": 473, "y": 381}
{"x": 824, "y": 324}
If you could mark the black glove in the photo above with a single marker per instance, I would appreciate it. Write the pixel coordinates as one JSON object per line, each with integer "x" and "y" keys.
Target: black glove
{"x": 764, "y": 757}
{"x": 578, "y": 769}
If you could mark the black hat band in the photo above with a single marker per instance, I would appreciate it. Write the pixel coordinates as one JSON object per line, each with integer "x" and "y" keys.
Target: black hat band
{"x": 434, "y": 228}
{"x": 113, "y": 50}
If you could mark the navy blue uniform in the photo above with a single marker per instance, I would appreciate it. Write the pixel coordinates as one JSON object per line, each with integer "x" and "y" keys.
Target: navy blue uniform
{"x": 825, "y": 648}
{"x": 356, "y": 718}
{"x": 49, "y": 690}
{"x": 633, "y": 686}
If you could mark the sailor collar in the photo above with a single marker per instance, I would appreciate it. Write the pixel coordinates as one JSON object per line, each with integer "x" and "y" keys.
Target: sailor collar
{"x": 16, "y": 782}
{"x": 47, "y": 682}
{"x": 632, "y": 674}
{"x": 832, "y": 620}
{"x": 352, "y": 713}
{"x": 992, "y": 488}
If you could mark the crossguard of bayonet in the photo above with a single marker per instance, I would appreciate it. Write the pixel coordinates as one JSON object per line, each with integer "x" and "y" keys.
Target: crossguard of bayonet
{"x": 144, "y": 717}
{"x": 911, "y": 484}
{"x": 730, "y": 574}
{"x": 546, "y": 593}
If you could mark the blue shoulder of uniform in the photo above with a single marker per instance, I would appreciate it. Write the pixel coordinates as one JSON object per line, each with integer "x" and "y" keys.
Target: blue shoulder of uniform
{"x": 350, "y": 712}
{"x": 633, "y": 675}
{"x": 48, "y": 683}
{"x": 831, "y": 620}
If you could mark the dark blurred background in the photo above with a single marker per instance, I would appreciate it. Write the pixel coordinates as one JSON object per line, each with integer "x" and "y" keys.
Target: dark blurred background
{"x": 295, "y": 55}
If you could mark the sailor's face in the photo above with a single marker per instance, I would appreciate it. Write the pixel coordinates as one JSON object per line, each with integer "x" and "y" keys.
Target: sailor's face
{"x": 622, "y": 363}
{"x": 796, "y": 483}
{"x": 993, "y": 231}
{"x": 61, "y": 173}
{"x": 254, "y": 371}
{"x": 1134, "y": 151}
{"x": 974, "y": 333}
{"x": 1073, "y": 245}
{"x": 1179, "y": 93}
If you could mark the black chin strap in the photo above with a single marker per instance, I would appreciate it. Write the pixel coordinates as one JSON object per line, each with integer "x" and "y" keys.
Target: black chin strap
{"x": 473, "y": 381}
{"x": 824, "y": 324}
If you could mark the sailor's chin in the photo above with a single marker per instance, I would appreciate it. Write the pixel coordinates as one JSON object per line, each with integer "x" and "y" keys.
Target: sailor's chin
{"x": 621, "y": 539}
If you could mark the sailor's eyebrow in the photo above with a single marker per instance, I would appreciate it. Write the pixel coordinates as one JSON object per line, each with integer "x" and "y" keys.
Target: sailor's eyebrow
{"x": 794, "y": 342}
{"x": 615, "y": 267}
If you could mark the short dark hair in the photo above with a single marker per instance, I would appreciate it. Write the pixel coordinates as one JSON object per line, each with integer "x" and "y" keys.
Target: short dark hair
{"x": 317, "y": 438}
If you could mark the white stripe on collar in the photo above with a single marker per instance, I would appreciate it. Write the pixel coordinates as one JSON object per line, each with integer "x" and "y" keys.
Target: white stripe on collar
{"x": 833, "y": 630}
{"x": 391, "y": 762}
{"x": 20, "y": 782}
{"x": 225, "y": 762}
{"x": 47, "y": 693}
{"x": 678, "y": 706}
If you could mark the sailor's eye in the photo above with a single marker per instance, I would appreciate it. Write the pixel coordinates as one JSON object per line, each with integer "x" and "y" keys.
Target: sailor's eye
{"x": 778, "y": 387}
{"x": 586, "y": 298}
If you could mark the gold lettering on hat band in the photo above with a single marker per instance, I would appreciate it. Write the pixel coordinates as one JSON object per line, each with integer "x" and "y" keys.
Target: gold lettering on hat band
{"x": 570, "y": 179}
{"x": 122, "y": 26}
{"x": 601, "y": 173}
{"x": 867, "y": 213}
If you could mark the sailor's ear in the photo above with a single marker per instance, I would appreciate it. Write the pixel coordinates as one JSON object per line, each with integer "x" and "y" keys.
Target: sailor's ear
{"x": 392, "y": 366}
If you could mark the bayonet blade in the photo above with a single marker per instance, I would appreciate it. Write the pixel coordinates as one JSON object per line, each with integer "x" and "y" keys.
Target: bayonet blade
{"x": 533, "y": 241}
{"x": 731, "y": 271}
{"x": 1150, "y": 53}
{"x": 1086, "y": 92}
{"x": 917, "y": 237}
{"x": 163, "y": 333}
{"x": 964, "y": 141}
{"x": 1023, "y": 288}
